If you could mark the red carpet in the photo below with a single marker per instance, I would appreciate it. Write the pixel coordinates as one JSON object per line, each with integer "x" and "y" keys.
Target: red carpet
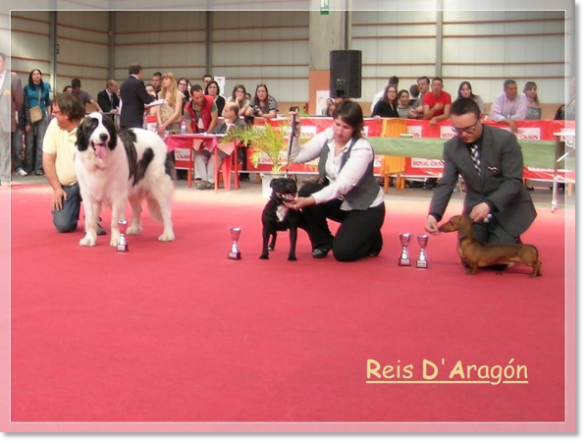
{"x": 176, "y": 332}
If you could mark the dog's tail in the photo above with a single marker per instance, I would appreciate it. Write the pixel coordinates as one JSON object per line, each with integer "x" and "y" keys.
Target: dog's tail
{"x": 154, "y": 209}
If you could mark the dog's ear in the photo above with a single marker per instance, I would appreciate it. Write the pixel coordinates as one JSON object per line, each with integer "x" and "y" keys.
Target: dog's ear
{"x": 109, "y": 125}
{"x": 82, "y": 135}
{"x": 274, "y": 182}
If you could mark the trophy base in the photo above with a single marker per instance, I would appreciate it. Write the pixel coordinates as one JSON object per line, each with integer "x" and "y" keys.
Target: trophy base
{"x": 234, "y": 256}
{"x": 421, "y": 264}
{"x": 122, "y": 248}
{"x": 404, "y": 262}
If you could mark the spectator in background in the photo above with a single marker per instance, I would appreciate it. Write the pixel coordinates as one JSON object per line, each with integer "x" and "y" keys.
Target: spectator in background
{"x": 331, "y": 109}
{"x": 568, "y": 112}
{"x": 108, "y": 98}
{"x": 11, "y": 100}
{"x": 387, "y": 105}
{"x": 239, "y": 97}
{"x": 157, "y": 82}
{"x": 465, "y": 91}
{"x": 22, "y": 166}
{"x": 394, "y": 81}
{"x": 205, "y": 80}
{"x": 329, "y": 102}
{"x": 68, "y": 89}
{"x": 84, "y": 97}
{"x": 436, "y": 104}
{"x": 509, "y": 106}
{"x": 423, "y": 85}
{"x": 403, "y": 106}
{"x": 169, "y": 113}
{"x": 533, "y": 108}
{"x": 150, "y": 89}
{"x": 38, "y": 93}
{"x": 183, "y": 86}
{"x": 263, "y": 104}
{"x": 414, "y": 93}
{"x": 213, "y": 90}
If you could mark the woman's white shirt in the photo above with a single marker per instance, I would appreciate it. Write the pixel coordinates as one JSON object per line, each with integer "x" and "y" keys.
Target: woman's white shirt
{"x": 342, "y": 180}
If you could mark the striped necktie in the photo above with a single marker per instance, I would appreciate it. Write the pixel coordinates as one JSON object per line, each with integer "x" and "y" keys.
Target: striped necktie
{"x": 475, "y": 154}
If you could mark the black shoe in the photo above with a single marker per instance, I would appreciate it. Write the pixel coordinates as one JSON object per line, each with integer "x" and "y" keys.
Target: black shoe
{"x": 320, "y": 252}
{"x": 100, "y": 231}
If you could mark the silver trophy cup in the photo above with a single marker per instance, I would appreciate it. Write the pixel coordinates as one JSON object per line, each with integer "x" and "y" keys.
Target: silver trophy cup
{"x": 422, "y": 259}
{"x": 122, "y": 245}
{"x": 404, "y": 259}
{"x": 234, "y": 253}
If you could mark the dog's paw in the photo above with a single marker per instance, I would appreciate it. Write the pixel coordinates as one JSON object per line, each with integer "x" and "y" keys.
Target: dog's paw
{"x": 292, "y": 258}
{"x": 134, "y": 230}
{"x": 264, "y": 257}
{"x": 115, "y": 240}
{"x": 167, "y": 236}
{"x": 88, "y": 240}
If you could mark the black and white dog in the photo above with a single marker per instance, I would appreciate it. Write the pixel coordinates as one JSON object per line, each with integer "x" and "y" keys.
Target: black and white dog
{"x": 115, "y": 168}
{"x": 277, "y": 217}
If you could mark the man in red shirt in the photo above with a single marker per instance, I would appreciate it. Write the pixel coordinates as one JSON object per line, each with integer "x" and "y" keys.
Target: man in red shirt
{"x": 437, "y": 103}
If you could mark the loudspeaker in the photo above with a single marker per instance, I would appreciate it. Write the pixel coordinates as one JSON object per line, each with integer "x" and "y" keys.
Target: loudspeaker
{"x": 346, "y": 74}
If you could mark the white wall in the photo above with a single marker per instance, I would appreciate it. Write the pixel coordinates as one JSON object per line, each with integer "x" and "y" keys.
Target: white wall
{"x": 250, "y": 47}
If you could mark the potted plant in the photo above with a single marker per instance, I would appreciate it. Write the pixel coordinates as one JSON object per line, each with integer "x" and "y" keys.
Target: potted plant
{"x": 268, "y": 144}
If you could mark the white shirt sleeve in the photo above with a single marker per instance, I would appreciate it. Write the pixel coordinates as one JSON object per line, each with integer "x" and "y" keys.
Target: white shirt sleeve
{"x": 350, "y": 174}
{"x": 311, "y": 149}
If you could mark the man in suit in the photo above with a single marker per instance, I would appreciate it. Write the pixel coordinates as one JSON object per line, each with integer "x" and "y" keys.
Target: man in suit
{"x": 11, "y": 98}
{"x": 496, "y": 199}
{"x": 134, "y": 97}
{"x": 108, "y": 98}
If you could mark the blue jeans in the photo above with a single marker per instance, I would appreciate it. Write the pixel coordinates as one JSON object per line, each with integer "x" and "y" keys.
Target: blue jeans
{"x": 65, "y": 219}
{"x": 34, "y": 142}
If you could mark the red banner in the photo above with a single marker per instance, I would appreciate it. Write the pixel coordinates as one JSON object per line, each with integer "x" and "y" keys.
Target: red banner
{"x": 414, "y": 167}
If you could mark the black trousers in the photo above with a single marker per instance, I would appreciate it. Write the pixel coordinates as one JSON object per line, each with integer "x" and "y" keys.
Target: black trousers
{"x": 359, "y": 234}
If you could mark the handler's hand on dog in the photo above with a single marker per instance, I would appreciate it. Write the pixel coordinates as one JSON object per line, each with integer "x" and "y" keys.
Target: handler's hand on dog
{"x": 431, "y": 225}
{"x": 479, "y": 212}
{"x": 300, "y": 202}
{"x": 58, "y": 197}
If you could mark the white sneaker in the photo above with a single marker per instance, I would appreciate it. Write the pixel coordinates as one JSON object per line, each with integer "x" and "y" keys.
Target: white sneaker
{"x": 21, "y": 172}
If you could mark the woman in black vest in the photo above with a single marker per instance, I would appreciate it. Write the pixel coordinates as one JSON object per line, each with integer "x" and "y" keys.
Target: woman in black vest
{"x": 347, "y": 191}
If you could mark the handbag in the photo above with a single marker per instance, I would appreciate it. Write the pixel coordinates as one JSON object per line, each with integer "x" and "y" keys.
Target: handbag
{"x": 35, "y": 112}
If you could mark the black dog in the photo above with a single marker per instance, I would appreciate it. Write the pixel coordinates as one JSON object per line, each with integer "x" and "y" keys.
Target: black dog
{"x": 277, "y": 217}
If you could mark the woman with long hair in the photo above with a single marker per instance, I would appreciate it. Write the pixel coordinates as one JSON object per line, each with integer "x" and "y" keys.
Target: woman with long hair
{"x": 263, "y": 104}
{"x": 183, "y": 86}
{"x": 347, "y": 193}
{"x": 465, "y": 91}
{"x": 169, "y": 113}
{"x": 239, "y": 97}
{"x": 533, "y": 107}
{"x": 38, "y": 93}
{"x": 213, "y": 90}
{"x": 403, "y": 106}
{"x": 387, "y": 105}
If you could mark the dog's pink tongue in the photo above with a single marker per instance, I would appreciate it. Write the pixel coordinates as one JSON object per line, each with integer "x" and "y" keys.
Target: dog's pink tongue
{"x": 101, "y": 151}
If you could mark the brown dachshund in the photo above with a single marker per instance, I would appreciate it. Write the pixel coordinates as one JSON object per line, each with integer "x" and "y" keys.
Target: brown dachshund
{"x": 479, "y": 254}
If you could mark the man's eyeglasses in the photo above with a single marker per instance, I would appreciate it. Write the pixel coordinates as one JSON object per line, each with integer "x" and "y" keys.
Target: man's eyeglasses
{"x": 468, "y": 130}
{"x": 57, "y": 112}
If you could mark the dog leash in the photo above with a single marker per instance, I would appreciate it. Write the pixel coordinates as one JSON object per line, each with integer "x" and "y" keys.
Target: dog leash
{"x": 290, "y": 145}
